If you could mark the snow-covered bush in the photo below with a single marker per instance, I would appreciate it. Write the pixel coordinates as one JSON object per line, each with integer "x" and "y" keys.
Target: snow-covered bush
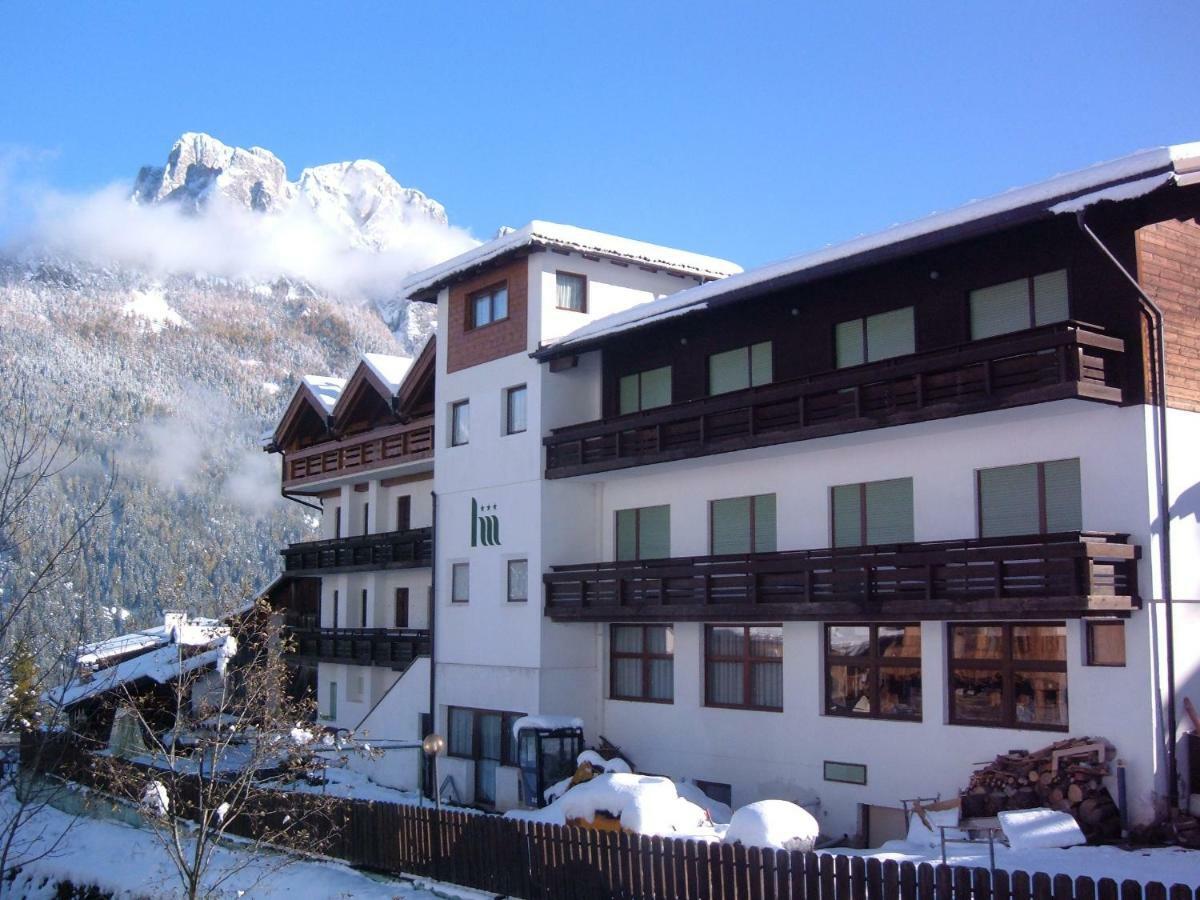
{"x": 776, "y": 824}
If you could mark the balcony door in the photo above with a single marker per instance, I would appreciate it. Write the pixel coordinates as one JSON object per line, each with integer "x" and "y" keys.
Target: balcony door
{"x": 491, "y": 751}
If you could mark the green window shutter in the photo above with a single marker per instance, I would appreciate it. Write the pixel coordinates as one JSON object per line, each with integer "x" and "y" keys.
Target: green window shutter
{"x": 654, "y": 532}
{"x": 656, "y": 388}
{"x": 1000, "y": 309}
{"x": 847, "y": 515}
{"x": 627, "y": 534}
{"x": 1050, "y": 298}
{"x": 1064, "y": 502}
{"x": 890, "y": 511}
{"x": 728, "y": 371}
{"x": 848, "y": 337}
{"x": 764, "y": 523}
{"x": 731, "y": 526}
{"x": 891, "y": 334}
{"x": 761, "y": 368}
{"x": 333, "y": 692}
{"x": 1008, "y": 501}
{"x": 629, "y": 400}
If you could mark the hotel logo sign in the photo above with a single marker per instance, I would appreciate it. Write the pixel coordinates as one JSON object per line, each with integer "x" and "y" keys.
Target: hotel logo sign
{"x": 485, "y": 525}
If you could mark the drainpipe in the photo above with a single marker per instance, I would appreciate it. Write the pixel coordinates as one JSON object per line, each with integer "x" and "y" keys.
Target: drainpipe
{"x": 433, "y": 569}
{"x": 1153, "y": 312}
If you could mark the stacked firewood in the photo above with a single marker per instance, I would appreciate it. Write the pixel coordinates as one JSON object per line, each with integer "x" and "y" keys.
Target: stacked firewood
{"x": 1067, "y": 775}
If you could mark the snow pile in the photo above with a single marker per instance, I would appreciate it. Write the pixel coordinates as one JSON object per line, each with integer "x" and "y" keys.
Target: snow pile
{"x": 717, "y": 811}
{"x": 644, "y": 804}
{"x": 599, "y": 763}
{"x": 155, "y": 801}
{"x": 776, "y": 824}
{"x": 1040, "y": 829}
{"x": 152, "y": 307}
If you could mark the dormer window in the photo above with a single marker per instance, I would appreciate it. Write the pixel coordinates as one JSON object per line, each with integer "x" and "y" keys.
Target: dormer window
{"x": 571, "y": 291}
{"x": 488, "y": 306}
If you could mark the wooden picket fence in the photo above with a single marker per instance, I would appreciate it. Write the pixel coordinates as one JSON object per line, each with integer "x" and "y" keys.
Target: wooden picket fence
{"x": 507, "y": 857}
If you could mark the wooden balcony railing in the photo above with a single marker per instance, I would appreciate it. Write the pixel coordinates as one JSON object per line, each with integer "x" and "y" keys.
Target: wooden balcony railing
{"x": 393, "y": 648}
{"x": 1062, "y": 575}
{"x": 1067, "y": 360}
{"x": 390, "y": 550}
{"x": 374, "y": 450}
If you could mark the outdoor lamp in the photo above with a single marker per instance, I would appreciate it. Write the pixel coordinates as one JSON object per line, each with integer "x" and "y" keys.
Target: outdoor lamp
{"x": 433, "y": 744}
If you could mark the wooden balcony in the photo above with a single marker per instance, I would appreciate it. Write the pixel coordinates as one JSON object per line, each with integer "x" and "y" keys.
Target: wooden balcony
{"x": 1060, "y": 575}
{"x": 376, "y": 449}
{"x": 393, "y": 648}
{"x": 390, "y": 550}
{"x": 1067, "y": 360}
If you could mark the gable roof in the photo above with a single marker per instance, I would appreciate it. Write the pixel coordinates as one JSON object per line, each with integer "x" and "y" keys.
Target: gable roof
{"x": 543, "y": 235}
{"x": 1121, "y": 179}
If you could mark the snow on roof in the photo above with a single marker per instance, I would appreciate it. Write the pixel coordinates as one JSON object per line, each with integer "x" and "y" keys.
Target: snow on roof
{"x": 388, "y": 369}
{"x": 569, "y": 237}
{"x": 1121, "y": 179}
{"x": 546, "y": 723}
{"x": 191, "y": 632}
{"x": 326, "y": 389}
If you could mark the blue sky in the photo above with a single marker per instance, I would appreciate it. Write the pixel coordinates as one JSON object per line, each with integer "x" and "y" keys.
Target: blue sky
{"x": 750, "y": 131}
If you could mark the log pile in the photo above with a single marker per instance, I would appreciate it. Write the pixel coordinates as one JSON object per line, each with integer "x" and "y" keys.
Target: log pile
{"x": 1067, "y": 775}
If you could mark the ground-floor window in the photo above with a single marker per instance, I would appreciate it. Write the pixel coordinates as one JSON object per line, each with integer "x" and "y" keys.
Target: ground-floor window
{"x": 873, "y": 671}
{"x": 1011, "y": 675}
{"x": 1105, "y": 642}
{"x": 642, "y": 663}
{"x": 486, "y": 737}
{"x": 744, "y": 666}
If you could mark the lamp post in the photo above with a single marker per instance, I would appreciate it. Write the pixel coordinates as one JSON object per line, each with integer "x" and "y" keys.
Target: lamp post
{"x": 433, "y": 745}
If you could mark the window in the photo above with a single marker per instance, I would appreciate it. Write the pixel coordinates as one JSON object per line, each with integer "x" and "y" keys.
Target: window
{"x": 644, "y": 533}
{"x": 362, "y": 613}
{"x": 335, "y": 609}
{"x": 485, "y": 736}
{"x": 400, "y": 616}
{"x": 744, "y": 367}
{"x": 337, "y": 521}
{"x": 642, "y": 663}
{"x": 331, "y": 712}
{"x": 518, "y": 580}
{"x": 742, "y": 525}
{"x": 354, "y": 688}
{"x": 404, "y": 513}
{"x": 872, "y": 338}
{"x": 514, "y": 410}
{"x": 873, "y": 671}
{"x": 645, "y": 390}
{"x": 1020, "y": 304}
{"x": 744, "y": 666}
{"x": 877, "y": 512}
{"x": 460, "y": 423}
{"x": 716, "y": 790}
{"x": 487, "y": 306}
{"x": 1105, "y": 643}
{"x": 366, "y": 518}
{"x": 1037, "y": 498}
{"x": 1009, "y": 675}
{"x": 460, "y": 583}
{"x": 571, "y": 291}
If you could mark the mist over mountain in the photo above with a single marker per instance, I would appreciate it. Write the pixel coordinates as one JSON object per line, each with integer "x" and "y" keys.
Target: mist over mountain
{"x": 169, "y": 319}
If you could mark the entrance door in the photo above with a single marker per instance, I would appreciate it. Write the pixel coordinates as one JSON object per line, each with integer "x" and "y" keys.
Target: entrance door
{"x": 491, "y": 746}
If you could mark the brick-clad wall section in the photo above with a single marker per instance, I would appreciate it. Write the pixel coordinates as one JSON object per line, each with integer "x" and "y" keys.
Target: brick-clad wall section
{"x": 1168, "y": 255}
{"x": 470, "y": 347}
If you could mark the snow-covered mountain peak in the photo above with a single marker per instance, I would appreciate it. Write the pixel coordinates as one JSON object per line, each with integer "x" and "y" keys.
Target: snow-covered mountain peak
{"x": 359, "y": 200}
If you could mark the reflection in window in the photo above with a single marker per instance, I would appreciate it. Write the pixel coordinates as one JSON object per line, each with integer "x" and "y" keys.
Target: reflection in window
{"x": 873, "y": 671}
{"x": 1011, "y": 675}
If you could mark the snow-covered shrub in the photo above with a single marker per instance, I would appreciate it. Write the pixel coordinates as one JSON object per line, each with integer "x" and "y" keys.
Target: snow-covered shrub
{"x": 775, "y": 824}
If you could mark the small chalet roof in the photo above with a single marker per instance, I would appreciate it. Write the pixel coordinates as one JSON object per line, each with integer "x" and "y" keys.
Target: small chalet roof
{"x": 1121, "y": 179}
{"x": 388, "y": 369}
{"x": 325, "y": 389}
{"x": 540, "y": 235}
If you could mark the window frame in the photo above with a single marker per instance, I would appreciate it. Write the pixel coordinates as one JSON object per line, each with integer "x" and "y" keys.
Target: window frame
{"x": 748, "y": 661}
{"x": 749, "y": 351}
{"x": 874, "y": 662}
{"x": 1007, "y": 667}
{"x": 866, "y": 347}
{"x": 583, "y": 295}
{"x": 753, "y": 523}
{"x": 509, "y": 392}
{"x": 508, "y": 750}
{"x": 1031, "y": 302}
{"x": 508, "y": 589}
{"x": 863, "y": 519}
{"x": 645, "y": 656}
{"x": 1043, "y": 516}
{"x": 637, "y": 532}
{"x": 639, "y": 375}
{"x": 490, "y": 292}
{"x": 404, "y": 512}
{"x": 455, "y": 567}
{"x": 455, "y": 406}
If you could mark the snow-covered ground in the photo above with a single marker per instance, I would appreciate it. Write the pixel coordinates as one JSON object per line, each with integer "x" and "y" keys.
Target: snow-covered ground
{"x": 130, "y": 863}
{"x": 351, "y": 785}
{"x": 1167, "y": 865}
